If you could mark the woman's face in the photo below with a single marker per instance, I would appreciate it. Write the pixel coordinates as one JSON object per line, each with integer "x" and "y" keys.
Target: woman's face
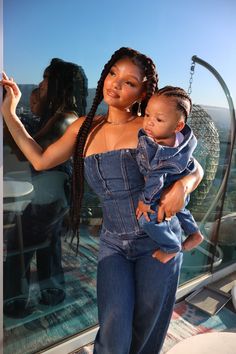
{"x": 124, "y": 84}
{"x": 36, "y": 106}
{"x": 34, "y": 101}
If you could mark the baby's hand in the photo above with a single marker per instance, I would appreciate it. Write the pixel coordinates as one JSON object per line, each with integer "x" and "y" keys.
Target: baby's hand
{"x": 143, "y": 209}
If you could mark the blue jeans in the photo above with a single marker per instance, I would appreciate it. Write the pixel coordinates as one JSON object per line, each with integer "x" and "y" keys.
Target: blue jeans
{"x": 135, "y": 294}
{"x": 41, "y": 225}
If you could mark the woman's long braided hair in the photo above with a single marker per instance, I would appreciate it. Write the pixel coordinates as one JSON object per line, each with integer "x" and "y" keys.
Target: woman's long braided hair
{"x": 182, "y": 99}
{"x": 149, "y": 70}
{"x": 67, "y": 88}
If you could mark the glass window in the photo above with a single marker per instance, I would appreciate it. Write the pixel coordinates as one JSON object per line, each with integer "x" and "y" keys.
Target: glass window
{"x": 212, "y": 203}
{"x": 211, "y": 126}
{"x": 49, "y": 287}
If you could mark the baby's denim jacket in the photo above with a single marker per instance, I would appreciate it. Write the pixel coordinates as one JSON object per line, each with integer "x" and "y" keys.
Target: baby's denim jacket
{"x": 163, "y": 165}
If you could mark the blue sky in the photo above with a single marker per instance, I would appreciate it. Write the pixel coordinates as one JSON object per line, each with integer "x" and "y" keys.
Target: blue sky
{"x": 87, "y": 32}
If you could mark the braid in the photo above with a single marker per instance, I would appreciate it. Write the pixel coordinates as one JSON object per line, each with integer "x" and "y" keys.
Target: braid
{"x": 148, "y": 67}
{"x": 78, "y": 167}
{"x": 151, "y": 77}
{"x": 183, "y": 100}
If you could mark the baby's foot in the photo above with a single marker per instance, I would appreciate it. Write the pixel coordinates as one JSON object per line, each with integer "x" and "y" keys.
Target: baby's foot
{"x": 192, "y": 241}
{"x": 162, "y": 256}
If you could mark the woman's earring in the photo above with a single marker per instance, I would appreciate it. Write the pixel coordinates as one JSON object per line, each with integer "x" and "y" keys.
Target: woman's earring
{"x": 139, "y": 112}
{"x": 127, "y": 109}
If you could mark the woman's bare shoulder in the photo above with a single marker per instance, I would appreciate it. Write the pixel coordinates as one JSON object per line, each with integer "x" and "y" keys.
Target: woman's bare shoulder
{"x": 75, "y": 126}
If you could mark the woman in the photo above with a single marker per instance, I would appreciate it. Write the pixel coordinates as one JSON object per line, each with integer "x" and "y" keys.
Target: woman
{"x": 136, "y": 292}
{"x": 60, "y": 99}
{"x": 57, "y": 102}
{"x": 62, "y": 96}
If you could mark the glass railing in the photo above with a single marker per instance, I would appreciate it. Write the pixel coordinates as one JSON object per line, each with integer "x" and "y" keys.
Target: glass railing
{"x": 205, "y": 201}
{"x": 49, "y": 289}
{"x": 213, "y": 204}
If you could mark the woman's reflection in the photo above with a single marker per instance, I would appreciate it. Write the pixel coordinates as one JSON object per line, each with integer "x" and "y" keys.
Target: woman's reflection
{"x": 58, "y": 100}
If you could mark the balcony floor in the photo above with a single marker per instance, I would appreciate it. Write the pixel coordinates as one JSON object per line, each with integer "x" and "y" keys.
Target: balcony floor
{"x": 188, "y": 321}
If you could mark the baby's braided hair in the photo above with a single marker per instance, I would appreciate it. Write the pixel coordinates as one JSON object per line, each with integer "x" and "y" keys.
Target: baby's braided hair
{"x": 182, "y": 99}
{"x": 149, "y": 70}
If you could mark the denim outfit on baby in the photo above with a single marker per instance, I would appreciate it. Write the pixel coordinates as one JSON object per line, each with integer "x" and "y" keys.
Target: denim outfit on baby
{"x": 135, "y": 292}
{"x": 161, "y": 166}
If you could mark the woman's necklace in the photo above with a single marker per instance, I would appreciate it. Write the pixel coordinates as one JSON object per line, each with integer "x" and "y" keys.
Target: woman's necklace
{"x": 113, "y": 137}
{"x": 120, "y": 123}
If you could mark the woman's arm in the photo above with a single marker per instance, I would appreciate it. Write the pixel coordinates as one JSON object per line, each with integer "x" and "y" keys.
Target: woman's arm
{"x": 173, "y": 198}
{"x": 55, "y": 154}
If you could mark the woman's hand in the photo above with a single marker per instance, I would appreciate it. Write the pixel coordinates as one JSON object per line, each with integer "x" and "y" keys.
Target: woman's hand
{"x": 12, "y": 95}
{"x": 172, "y": 200}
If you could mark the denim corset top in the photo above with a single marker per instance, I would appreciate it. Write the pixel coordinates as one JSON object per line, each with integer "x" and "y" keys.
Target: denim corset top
{"x": 114, "y": 176}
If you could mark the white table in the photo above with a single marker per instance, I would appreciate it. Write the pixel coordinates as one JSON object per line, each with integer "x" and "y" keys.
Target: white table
{"x": 16, "y": 190}
{"x": 207, "y": 343}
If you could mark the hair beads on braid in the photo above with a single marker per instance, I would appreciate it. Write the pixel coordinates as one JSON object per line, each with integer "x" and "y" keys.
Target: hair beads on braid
{"x": 147, "y": 66}
{"x": 183, "y": 100}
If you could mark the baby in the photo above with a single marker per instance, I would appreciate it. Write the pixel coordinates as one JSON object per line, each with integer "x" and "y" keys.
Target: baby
{"x": 164, "y": 154}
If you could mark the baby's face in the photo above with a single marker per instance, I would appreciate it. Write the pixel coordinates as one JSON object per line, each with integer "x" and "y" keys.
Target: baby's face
{"x": 161, "y": 117}
{"x": 34, "y": 99}
{"x": 35, "y": 104}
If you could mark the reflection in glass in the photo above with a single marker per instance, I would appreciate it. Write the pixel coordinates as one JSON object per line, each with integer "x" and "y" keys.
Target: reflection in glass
{"x": 50, "y": 293}
{"x": 211, "y": 126}
{"x": 45, "y": 283}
